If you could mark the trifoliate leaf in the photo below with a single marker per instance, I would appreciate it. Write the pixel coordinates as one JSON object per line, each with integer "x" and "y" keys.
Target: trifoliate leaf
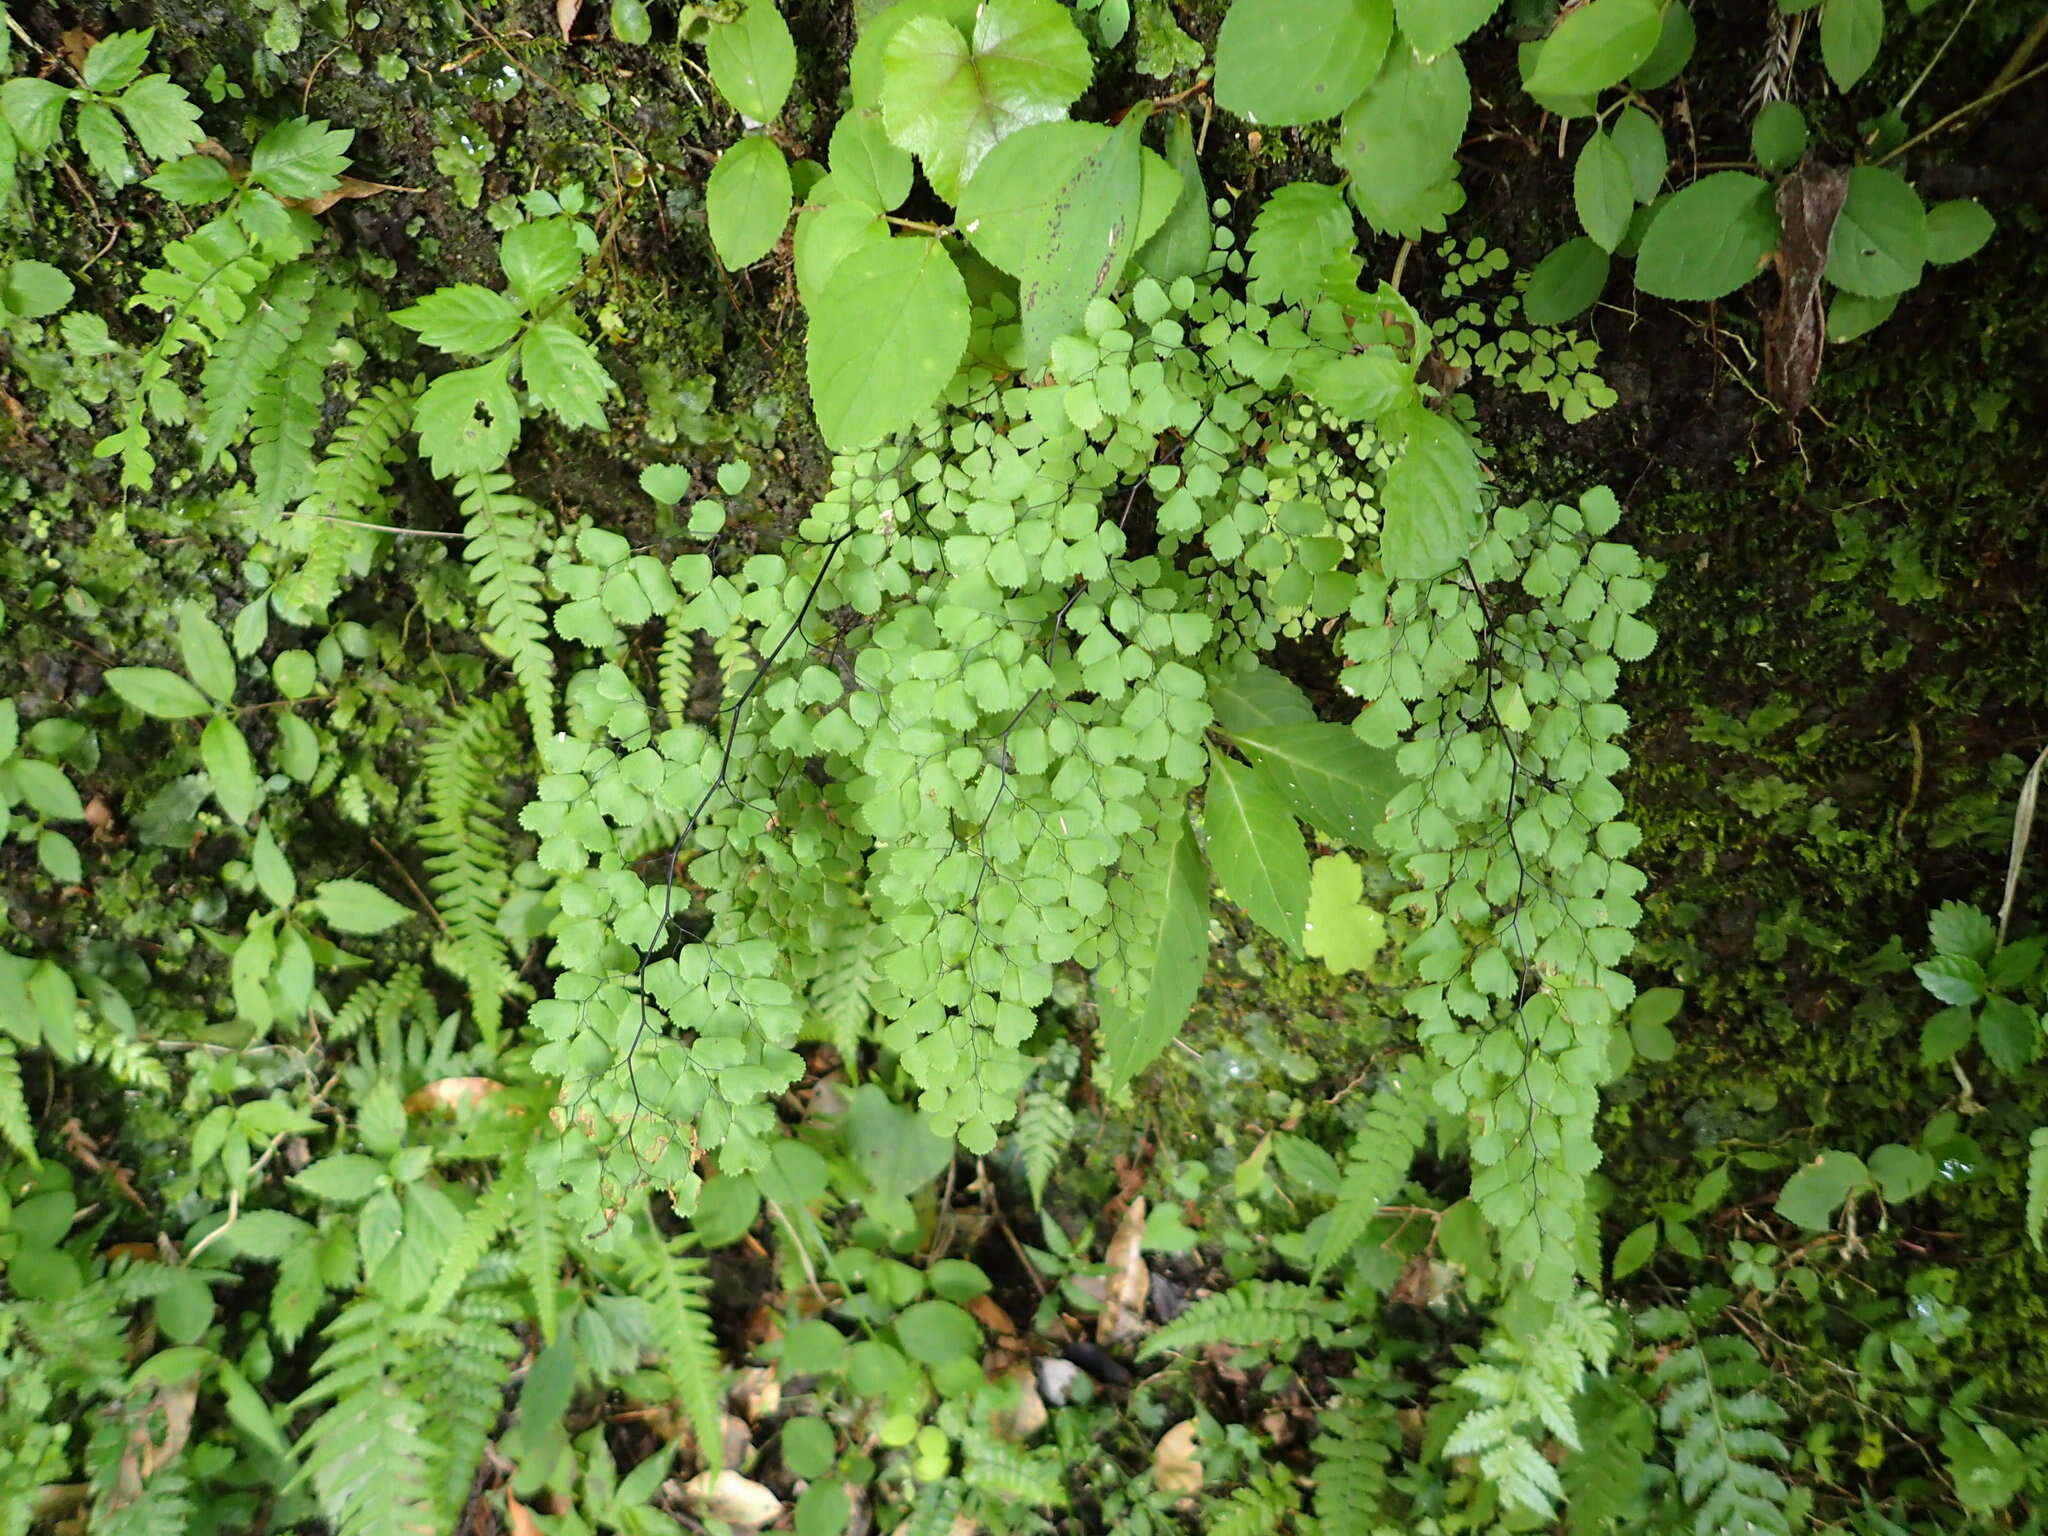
{"x": 886, "y": 337}
{"x": 1281, "y": 62}
{"x": 1709, "y": 238}
{"x": 1255, "y": 847}
{"x": 747, "y": 201}
{"x": 753, "y": 60}
{"x": 950, "y": 101}
{"x": 1341, "y": 930}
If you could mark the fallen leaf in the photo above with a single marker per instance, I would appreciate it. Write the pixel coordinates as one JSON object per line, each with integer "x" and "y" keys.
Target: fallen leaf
{"x": 1175, "y": 1466}
{"x": 566, "y": 12}
{"x": 757, "y": 1393}
{"x": 451, "y": 1093}
{"x": 519, "y": 1518}
{"x": 992, "y": 1317}
{"x": 349, "y": 187}
{"x": 732, "y": 1498}
{"x": 1122, "y": 1318}
{"x": 1027, "y": 1415}
{"x": 75, "y": 44}
{"x": 144, "y": 1454}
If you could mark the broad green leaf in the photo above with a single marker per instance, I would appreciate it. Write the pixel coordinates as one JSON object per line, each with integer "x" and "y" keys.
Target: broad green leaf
{"x": 1957, "y": 928}
{"x": 1641, "y": 143}
{"x": 116, "y": 59}
{"x": 58, "y": 856}
{"x": 1957, "y": 230}
{"x": 1331, "y": 779}
{"x": 1401, "y": 137}
{"x": 1256, "y": 697}
{"x": 231, "y": 768}
{"x": 1880, "y": 242}
{"x": 2010, "y": 1033}
{"x": 165, "y": 122}
{"x": 350, "y": 906}
{"x": 541, "y": 258}
{"x": 950, "y": 101}
{"x": 826, "y": 236}
{"x": 748, "y": 201}
{"x": 462, "y": 318}
{"x": 1636, "y": 1250}
{"x": 1086, "y": 241}
{"x": 1255, "y": 847}
{"x": 886, "y": 337}
{"x": 34, "y": 289}
{"x": 564, "y": 374}
{"x": 1709, "y": 238}
{"x": 1163, "y": 965}
{"x": 1180, "y": 248}
{"x": 1358, "y": 386}
{"x": 204, "y": 650}
{"x": 1341, "y": 930}
{"x": 1673, "y": 52}
{"x": 1850, "y": 315}
{"x": 1851, "y": 31}
{"x": 867, "y": 165}
{"x": 300, "y": 157}
{"x": 1596, "y": 45}
{"x": 1603, "y": 191}
{"x": 193, "y": 179}
{"x": 1013, "y": 198}
{"x": 1811, "y": 1196}
{"x": 34, "y": 111}
{"x": 1778, "y": 136}
{"x": 892, "y": 1144}
{"x": 879, "y": 25}
{"x": 753, "y": 60}
{"x": 43, "y": 788}
{"x": 106, "y": 147}
{"x": 1437, "y": 26}
{"x": 273, "y": 870}
{"x": 1303, "y": 228}
{"x": 347, "y": 1178}
{"x": 1431, "y": 501}
{"x": 468, "y": 421}
{"x": 1281, "y": 62}
{"x": 933, "y": 1332}
{"x": 1946, "y": 1031}
{"x": 1901, "y": 1172}
{"x": 1566, "y": 282}
{"x": 156, "y": 692}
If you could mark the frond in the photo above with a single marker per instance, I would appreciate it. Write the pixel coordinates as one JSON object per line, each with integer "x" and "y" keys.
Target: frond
{"x": 1262, "y": 1312}
{"x": 348, "y": 486}
{"x": 16, "y": 1126}
{"x": 1045, "y": 1127}
{"x": 674, "y": 1288}
{"x": 1724, "y": 1447}
{"x": 243, "y": 363}
{"x": 368, "y": 1455}
{"x": 2037, "y": 1185}
{"x": 504, "y": 553}
{"x": 469, "y": 870}
{"x": 285, "y": 415}
{"x": 677, "y": 670}
{"x": 1354, "y": 1455}
{"x": 464, "y": 1393}
{"x": 541, "y": 1249}
{"x": 1395, "y": 1122}
{"x": 489, "y": 1217}
{"x": 844, "y": 981}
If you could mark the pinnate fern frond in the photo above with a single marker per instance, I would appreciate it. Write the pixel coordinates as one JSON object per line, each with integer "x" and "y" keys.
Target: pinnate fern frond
{"x": 284, "y": 417}
{"x": 1721, "y": 1422}
{"x": 244, "y": 362}
{"x": 1263, "y": 1312}
{"x": 464, "y": 1389}
{"x": 674, "y": 1287}
{"x": 504, "y": 553}
{"x": 1354, "y": 1453}
{"x": 1377, "y": 1165}
{"x": 1045, "y": 1128}
{"x": 469, "y": 870}
{"x": 369, "y": 1457}
{"x": 17, "y": 1129}
{"x": 347, "y": 488}
{"x": 2037, "y": 1185}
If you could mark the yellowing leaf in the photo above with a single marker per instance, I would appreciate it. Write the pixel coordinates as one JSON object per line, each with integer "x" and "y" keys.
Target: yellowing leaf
{"x": 1342, "y": 931}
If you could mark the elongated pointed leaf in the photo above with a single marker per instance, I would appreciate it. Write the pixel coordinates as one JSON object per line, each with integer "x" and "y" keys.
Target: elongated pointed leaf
{"x": 1090, "y": 234}
{"x": 1255, "y": 847}
{"x": 1432, "y": 500}
{"x": 1331, "y": 779}
{"x": 1163, "y": 969}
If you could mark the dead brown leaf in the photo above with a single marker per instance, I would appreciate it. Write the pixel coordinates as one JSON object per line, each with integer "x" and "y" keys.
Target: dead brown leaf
{"x": 1122, "y": 1318}
{"x": 1027, "y": 1415}
{"x": 172, "y": 1407}
{"x": 1176, "y": 1466}
{"x": 519, "y": 1518}
{"x": 349, "y": 188}
{"x": 732, "y": 1498}
{"x": 75, "y": 44}
{"x": 451, "y": 1093}
{"x": 566, "y": 12}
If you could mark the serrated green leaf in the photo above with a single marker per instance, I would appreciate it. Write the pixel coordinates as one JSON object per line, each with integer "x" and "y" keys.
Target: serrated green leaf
{"x": 1432, "y": 499}
{"x": 468, "y": 421}
{"x": 950, "y": 101}
{"x": 1641, "y": 143}
{"x": 1255, "y": 847}
{"x": 564, "y": 374}
{"x": 826, "y": 237}
{"x": 1282, "y": 62}
{"x": 462, "y": 318}
{"x": 1635, "y": 1250}
{"x": 1086, "y": 240}
{"x": 1957, "y": 928}
{"x": 351, "y": 906}
{"x": 231, "y": 769}
{"x": 273, "y": 870}
{"x": 1019, "y": 189}
{"x": 34, "y": 289}
{"x": 204, "y": 650}
{"x": 116, "y": 59}
{"x": 886, "y": 337}
{"x": 191, "y": 180}
{"x": 870, "y": 167}
{"x": 34, "y": 111}
{"x": 1302, "y": 228}
{"x": 162, "y": 116}
{"x": 541, "y": 258}
{"x": 1437, "y": 26}
{"x": 301, "y": 158}
{"x": 1400, "y": 138}
{"x": 1709, "y": 238}
{"x": 753, "y": 60}
{"x": 747, "y": 201}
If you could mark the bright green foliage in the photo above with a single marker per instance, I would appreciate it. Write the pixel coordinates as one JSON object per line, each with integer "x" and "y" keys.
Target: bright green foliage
{"x": 1722, "y": 1422}
{"x": 748, "y": 200}
{"x": 753, "y": 60}
{"x": 1377, "y": 1166}
{"x": 504, "y": 550}
{"x": 1299, "y": 61}
{"x": 1261, "y": 1312}
{"x": 469, "y": 866}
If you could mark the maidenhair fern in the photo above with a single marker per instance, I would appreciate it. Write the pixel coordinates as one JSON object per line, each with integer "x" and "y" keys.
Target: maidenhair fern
{"x": 1722, "y": 1423}
{"x": 1255, "y": 1312}
{"x": 468, "y": 866}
